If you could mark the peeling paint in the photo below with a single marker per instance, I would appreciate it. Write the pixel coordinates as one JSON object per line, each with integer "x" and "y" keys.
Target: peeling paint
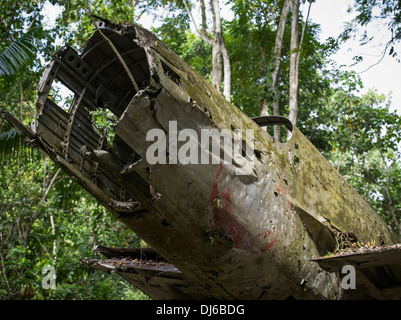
{"x": 288, "y": 208}
{"x": 280, "y": 189}
{"x": 224, "y": 217}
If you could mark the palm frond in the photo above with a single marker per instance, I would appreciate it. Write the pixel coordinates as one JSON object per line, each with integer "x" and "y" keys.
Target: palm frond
{"x": 18, "y": 54}
{"x": 10, "y": 144}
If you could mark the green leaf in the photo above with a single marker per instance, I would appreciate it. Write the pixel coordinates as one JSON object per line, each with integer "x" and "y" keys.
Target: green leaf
{"x": 18, "y": 54}
{"x": 10, "y": 143}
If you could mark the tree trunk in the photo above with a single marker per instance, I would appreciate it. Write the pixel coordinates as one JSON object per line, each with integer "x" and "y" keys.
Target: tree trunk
{"x": 227, "y": 71}
{"x": 217, "y": 71}
{"x": 277, "y": 59}
{"x": 220, "y": 57}
{"x": 264, "y": 111}
{"x": 293, "y": 62}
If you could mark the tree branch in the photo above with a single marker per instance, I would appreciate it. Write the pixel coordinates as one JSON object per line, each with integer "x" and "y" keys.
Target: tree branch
{"x": 304, "y": 24}
{"x": 37, "y": 211}
{"x": 201, "y": 34}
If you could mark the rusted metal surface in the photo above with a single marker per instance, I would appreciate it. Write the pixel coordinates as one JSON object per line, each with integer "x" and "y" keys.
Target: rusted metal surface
{"x": 378, "y": 267}
{"x": 246, "y": 234}
{"x": 362, "y": 258}
{"x": 149, "y": 272}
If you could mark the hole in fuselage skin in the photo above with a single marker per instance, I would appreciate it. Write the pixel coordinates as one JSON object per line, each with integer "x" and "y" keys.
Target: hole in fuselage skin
{"x": 296, "y": 160}
{"x": 61, "y": 95}
{"x": 171, "y": 74}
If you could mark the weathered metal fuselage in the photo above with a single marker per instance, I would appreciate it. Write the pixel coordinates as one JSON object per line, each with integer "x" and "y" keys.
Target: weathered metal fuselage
{"x": 239, "y": 235}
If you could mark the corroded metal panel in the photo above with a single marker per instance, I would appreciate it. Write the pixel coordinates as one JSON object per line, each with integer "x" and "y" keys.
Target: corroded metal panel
{"x": 149, "y": 272}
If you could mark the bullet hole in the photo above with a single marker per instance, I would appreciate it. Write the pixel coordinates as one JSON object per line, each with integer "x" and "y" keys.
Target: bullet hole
{"x": 219, "y": 237}
{"x": 155, "y": 77}
{"x": 303, "y": 283}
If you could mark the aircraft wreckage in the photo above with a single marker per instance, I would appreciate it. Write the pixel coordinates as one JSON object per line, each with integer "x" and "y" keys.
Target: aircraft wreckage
{"x": 217, "y": 230}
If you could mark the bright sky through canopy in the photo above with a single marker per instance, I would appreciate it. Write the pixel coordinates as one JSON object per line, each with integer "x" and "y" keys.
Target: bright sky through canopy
{"x": 331, "y": 15}
{"x": 385, "y": 76}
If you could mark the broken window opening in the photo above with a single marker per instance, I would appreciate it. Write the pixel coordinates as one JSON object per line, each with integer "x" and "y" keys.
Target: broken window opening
{"x": 103, "y": 119}
{"x": 61, "y": 95}
{"x": 169, "y": 72}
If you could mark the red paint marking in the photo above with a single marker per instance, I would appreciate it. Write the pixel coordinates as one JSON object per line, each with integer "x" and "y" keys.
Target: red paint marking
{"x": 271, "y": 244}
{"x": 288, "y": 208}
{"x": 215, "y": 186}
{"x": 223, "y": 217}
{"x": 268, "y": 233}
{"x": 278, "y": 188}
